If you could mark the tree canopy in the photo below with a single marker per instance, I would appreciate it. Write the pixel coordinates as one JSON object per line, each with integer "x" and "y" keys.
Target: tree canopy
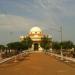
{"x": 45, "y": 43}
{"x": 2, "y": 47}
{"x": 65, "y": 45}
{"x": 27, "y": 43}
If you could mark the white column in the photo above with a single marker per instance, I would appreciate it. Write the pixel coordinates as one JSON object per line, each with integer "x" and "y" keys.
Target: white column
{"x": 32, "y": 47}
{"x": 40, "y": 49}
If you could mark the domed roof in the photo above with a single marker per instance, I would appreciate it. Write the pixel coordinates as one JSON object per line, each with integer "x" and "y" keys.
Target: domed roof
{"x": 35, "y": 29}
{"x": 21, "y": 37}
{"x": 50, "y": 36}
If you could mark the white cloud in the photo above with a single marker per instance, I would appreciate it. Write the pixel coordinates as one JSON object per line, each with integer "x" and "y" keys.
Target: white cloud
{"x": 44, "y": 13}
{"x": 12, "y": 22}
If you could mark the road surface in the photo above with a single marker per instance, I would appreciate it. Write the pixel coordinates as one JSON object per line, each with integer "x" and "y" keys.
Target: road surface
{"x": 37, "y": 64}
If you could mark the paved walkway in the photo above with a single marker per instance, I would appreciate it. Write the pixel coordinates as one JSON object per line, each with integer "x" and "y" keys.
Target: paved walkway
{"x": 37, "y": 64}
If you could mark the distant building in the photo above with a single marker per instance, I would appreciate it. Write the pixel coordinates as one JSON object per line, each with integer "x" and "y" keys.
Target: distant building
{"x": 35, "y": 34}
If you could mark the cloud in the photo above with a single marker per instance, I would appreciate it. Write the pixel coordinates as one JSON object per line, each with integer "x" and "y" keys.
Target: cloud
{"x": 19, "y": 15}
{"x": 13, "y": 22}
{"x": 43, "y": 13}
{"x": 45, "y": 10}
{"x": 51, "y": 11}
{"x": 18, "y": 23}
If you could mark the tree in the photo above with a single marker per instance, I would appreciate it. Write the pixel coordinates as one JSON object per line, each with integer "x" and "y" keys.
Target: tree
{"x": 45, "y": 43}
{"x": 56, "y": 45}
{"x": 67, "y": 45}
{"x": 27, "y": 43}
{"x": 2, "y": 47}
{"x": 17, "y": 46}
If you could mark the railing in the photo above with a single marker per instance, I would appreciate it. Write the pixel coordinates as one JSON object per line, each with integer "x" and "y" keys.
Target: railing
{"x": 64, "y": 57}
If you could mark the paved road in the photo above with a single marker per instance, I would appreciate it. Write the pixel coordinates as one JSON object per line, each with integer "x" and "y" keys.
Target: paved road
{"x": 37, "y": 64}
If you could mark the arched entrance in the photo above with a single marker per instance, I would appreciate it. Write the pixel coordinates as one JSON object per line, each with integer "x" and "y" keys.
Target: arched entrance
{"x": 35, "y": 46}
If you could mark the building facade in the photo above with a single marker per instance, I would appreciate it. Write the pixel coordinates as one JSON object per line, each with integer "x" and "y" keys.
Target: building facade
{"x": 35, "y": 34}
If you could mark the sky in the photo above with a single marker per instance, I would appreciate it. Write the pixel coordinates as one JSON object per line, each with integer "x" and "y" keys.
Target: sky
{"x": 17, "y": 17}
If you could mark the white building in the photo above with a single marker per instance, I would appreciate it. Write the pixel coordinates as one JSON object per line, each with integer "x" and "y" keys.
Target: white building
{"x": 35, "y": 34}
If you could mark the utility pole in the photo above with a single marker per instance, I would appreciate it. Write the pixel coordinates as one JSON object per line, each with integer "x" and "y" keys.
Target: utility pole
{"x": 61, "y": 51}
